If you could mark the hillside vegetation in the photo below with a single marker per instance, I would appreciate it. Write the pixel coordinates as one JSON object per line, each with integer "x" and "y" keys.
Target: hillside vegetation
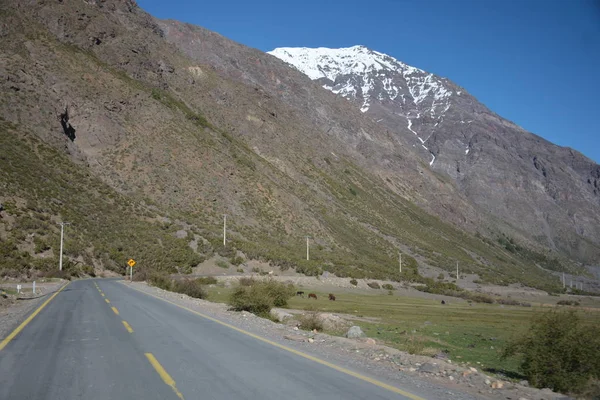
{"x": 161, "y": 147}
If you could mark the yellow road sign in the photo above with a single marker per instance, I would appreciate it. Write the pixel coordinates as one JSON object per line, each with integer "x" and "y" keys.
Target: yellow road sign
{"x": 131, "y": 262}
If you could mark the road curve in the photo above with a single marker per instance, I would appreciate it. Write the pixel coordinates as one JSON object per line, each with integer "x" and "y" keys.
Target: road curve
{"x": 99, "y": 339}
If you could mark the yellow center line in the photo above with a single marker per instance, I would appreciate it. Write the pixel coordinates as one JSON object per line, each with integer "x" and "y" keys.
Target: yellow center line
{"x": 293, "y": 351}
{"x": 28, "y": 320}
{"x": 102, "y": 294}
{"x": 127, "y": 326}
{"x": 107, "y": 301}
{"x": 163, "y": 374}
{"x": 115, "y": 310}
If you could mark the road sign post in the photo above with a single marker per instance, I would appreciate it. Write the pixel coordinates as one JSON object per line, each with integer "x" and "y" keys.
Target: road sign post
{"x": 131, "y": 263}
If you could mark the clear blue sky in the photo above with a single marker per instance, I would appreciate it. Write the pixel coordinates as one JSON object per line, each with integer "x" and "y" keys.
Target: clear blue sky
{"x": 534, "y": 62}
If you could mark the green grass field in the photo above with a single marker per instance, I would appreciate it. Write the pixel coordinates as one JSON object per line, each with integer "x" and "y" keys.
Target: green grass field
{"x": 473, "y": 334}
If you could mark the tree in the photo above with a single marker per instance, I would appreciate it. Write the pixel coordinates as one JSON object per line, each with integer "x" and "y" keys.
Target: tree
{"x": 559, "y": 352}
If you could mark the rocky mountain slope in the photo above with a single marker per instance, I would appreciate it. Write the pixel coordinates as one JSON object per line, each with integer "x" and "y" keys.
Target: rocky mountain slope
{"x": 546, "y": 192}
{"x": 163, "y": 127}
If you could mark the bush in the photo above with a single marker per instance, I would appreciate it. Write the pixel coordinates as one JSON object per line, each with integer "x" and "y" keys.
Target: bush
{"x": 508, "y": 302}
{"x": 207, "y": 280}
{"x": 191, "y": 287}
{"x": 247, "y": 281}
{"x": 160, "y": 280}
{"x": 559, "y": 352}
{"x": 568, "y": 303}
{"x": 258, "y": 297}
{"x": 140, "y": 275}
{"x": 388, "y": 286}
{"x": 237, "y": 260}
{"x": 310, "y": 321}
{"x": 353, "y": 282}
{"x": 373, "y": 285}
{"x": 222, "y": 264}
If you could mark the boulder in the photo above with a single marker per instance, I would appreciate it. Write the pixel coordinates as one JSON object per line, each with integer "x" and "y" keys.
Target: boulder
{"x": 181, "y": 234}
{"x": 330, "y": 322}
{"x": 280, "y": 314}
{"x": 429, "y": 368}
{"x": 355, "y": 332}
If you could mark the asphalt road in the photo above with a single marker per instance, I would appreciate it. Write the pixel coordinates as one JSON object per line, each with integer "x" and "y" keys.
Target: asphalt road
{"x": 99, "y": 339}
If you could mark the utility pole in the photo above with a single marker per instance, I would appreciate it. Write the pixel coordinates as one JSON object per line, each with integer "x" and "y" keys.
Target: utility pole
{"x": 457, "y": 271}
{"x": 224, "y": 230}
{"x": 563, "y": 280}
{"x": 62, "y": 234}
{"x": 400, "y": 261}
{"x": 307, "y": 251}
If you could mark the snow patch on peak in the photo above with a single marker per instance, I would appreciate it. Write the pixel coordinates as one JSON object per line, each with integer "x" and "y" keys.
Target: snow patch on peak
{"x": 366, "y": 75}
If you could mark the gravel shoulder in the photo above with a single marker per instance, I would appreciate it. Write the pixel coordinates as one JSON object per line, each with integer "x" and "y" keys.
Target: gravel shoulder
{"x": 13, "y": 309}
{"x": 437, "y": 378}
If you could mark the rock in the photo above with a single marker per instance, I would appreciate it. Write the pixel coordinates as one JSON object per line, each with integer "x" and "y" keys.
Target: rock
{"x": 295, "y": 338}
{"x": 429, "y": 368}
{"x": 370, "y": 341}
{"x": 355, "y": 332}
{"x": 296, "y": 328}
{"x": 281, "y": 315}
{"x": 497, "y": 385}
{"x": 451, "y": 378}
{"x": 311, "y": 340}
{"x": 524, "y": 383}
{"x": 488, "y": 382}
{"x": 523, "y": 398}
{"x": 181, "y": 234}
{"x": 330, "y": 321}
{"x": 472, "y": 369}
{"x": 412, "y": 369}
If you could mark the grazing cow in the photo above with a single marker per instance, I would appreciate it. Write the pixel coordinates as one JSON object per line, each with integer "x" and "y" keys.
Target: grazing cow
{"x": 331, "y": 297}
{"x": 443, "y": 302}
{"x": 312, "y": 296}
{"x": 300, "y": 293}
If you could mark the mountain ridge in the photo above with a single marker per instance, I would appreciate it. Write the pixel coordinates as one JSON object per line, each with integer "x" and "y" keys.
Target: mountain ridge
{"x": 189, "y": 125}
{"x": 449, "y": 139}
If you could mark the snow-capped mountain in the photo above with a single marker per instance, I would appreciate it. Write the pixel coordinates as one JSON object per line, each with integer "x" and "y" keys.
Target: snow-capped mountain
{"x": 378, "y": 82}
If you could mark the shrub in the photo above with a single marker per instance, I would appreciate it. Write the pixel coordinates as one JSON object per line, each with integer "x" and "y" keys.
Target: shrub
{"x": 240, "y": 270}
{"x": 310, "y": 321}
{"x": 388, "y": 286}
{"x": 373, "y": 285}
{"x": 568, "y": 303}
{"x": 186, "y": 269}
{"x": 441, "y": 276}
{"x": 160, "y": 280}
{"x": 222, "y": 264}
{"x": 251, "y": 299}
{"x": 140, "y": 275}
{"x": 191, "y": 287}
{"x": 353, "y": 282}
{"x": 247, "y": 281}
{"x": 258, "y": 297}
{"x": 237, "y": 260}
{"x": 479, "y": 298}
{"x": 508, "y": 302}
{"x": 559, "y": 352}
{"x": 207, "y": 280}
